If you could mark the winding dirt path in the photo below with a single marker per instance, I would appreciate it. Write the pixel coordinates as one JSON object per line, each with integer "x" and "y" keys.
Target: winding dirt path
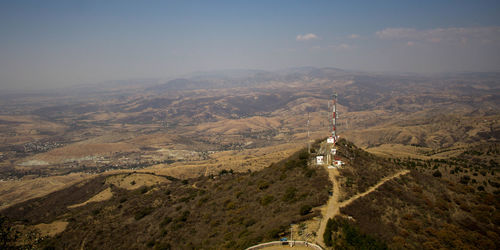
{"x": 380, "y": 183}
{"x": 333, "y": 205}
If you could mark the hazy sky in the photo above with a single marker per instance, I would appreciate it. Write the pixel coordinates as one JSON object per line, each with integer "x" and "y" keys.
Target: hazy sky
{"x": 60, "y": 43}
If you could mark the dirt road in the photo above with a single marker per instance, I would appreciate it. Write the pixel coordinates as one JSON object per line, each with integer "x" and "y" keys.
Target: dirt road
{"x": 333, "y": 206}
{"x": 380, "y": 183}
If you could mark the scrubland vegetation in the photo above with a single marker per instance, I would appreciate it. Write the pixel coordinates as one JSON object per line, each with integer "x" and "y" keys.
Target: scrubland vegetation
{"x": 443, "y": 203}
{"x": 364, "y": 169}
{"x": 228, "y": 210}
{"x": 221, "y": 128}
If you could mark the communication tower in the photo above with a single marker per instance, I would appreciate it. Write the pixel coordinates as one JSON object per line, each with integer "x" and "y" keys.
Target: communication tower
{"x": 334, "y": 118}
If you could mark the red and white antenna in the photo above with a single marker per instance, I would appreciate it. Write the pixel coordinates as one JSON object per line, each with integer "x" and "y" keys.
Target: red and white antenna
{"x": 334, "y": 118}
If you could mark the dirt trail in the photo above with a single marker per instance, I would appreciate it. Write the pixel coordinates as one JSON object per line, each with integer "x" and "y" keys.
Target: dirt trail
{"x": 206, "y": 171}
{"x": 333, "y": 206}
{"x": 380, "y": 183}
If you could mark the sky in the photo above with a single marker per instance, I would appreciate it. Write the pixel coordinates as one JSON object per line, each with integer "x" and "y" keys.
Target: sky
{"x": 63, "y": 43}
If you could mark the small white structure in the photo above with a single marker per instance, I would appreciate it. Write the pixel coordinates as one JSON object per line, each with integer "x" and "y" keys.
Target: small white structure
{"x": 330, "y": 140}
{"x": 319, "y": 160}
{"x": 338, "y": 163}
{"x": 334, "y": 151}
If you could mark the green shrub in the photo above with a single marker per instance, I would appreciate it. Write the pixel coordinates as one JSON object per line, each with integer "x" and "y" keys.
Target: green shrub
{"x": 230, "y": 205}
{"x": 304, "y": 155}
{"x": 264, "y": 201}
{"x": 142, "y": 213}
{"x": 310, "y": 172}
{"x": 283, "y": 176}
{"x": 165, "y": 221}
{"x": 290, "y": 194}
{"x": 305, "y": 209}
{"x": 202, "y": 200}
{"x": 437, "y": 174}
{"x": 465, "y": 179}
{"x": 185, "y": 199}
{"x": 184, "y": 216}
{"x": 249, "y": 222}
{"x": 327, "y": 235}
{"x": 274, "y": 233}
{"x": 144, "y": 190}
{"x": 351, "y": 237}
{"x": 163, "y": 246}
{"x": 150, "y": 243}
{"x": 263, "y": 185}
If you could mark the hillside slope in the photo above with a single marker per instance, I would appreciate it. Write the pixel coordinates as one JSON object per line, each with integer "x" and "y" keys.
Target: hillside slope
{"x": 229, "y": 210}
{"x": 395, "y": 203}
{"x": 418, "y": 211}
{"x": 451, "y": 204}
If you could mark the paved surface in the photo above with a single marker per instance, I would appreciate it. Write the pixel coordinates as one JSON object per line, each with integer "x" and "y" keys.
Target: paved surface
{"x": 300, "y": 245}
{"x": 287, "y": 247}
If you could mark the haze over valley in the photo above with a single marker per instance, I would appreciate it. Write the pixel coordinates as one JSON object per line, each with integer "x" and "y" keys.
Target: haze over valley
{"x": 167, "y": 146}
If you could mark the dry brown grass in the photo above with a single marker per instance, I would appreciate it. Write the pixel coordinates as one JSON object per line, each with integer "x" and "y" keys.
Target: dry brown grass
{"x": 256, "y": 123}
{"x": 104, "y": 195}
{"x": 399, "y": 150}
{"x": 27, "y": 129}
{"x": 243, "y": 208}
{"x": 80, "y": 150}
{"x": 51, "y": 229}
{"x": 12, "y": 192}
{"x": 404, "y": 151}
{"x": 133, "y": 181}
{"x": 427, "y": 130}
{"x": 239, "y": 161}
{"x": 419, "y": 211}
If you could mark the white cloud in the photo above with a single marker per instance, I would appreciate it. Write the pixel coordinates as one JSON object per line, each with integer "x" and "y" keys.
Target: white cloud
{"x": 334, "y": 47}
{"x": 442, "y": 35}
{"x": 354, "y": 36}
{"x": 396, "y": 33}
{"x": 342, "y": 46}
{"x": 306, "y": 37}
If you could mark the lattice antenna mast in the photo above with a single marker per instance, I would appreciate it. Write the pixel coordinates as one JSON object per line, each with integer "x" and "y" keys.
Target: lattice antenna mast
{"x": 334, "y": 117}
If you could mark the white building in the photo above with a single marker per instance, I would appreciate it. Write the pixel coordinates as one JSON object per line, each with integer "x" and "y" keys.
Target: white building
{"x": 319, "y": 160}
